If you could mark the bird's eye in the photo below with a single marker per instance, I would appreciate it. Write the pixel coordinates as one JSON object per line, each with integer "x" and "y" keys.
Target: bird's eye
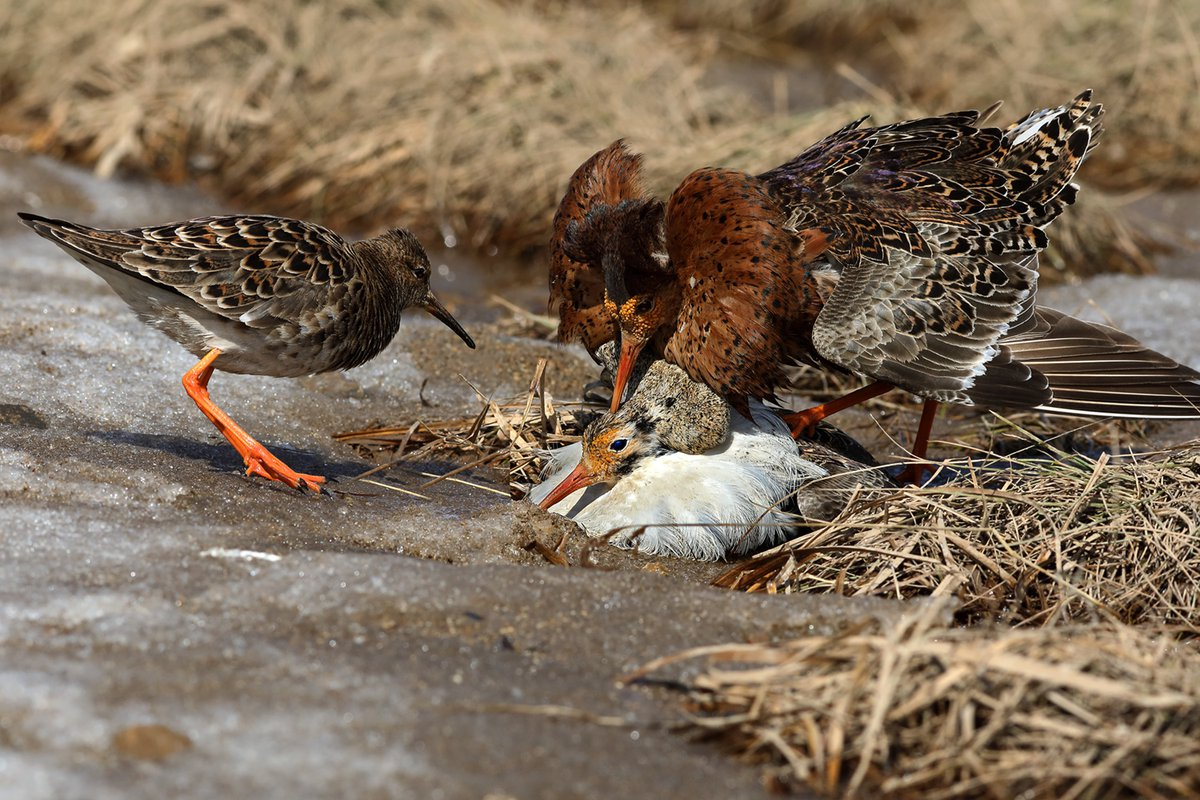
{"x": 644, "y": 305}
{"x": 421, "y": 271}
{"x": 618, "y": 445}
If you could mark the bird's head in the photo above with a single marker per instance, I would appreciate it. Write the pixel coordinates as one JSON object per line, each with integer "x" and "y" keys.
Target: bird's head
{"x": 402, "y": 248}
{"x": 625, "y": 242}
{"x": 613, "y": 446}
{"x": 640, "y": 317}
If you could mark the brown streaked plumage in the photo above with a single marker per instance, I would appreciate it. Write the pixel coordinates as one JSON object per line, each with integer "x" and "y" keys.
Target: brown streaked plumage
{"x": 905, "y": 253}
{"x": 747, "y": 301}
{"x": 259, "y": 295}
{"x": 610, "y": 179}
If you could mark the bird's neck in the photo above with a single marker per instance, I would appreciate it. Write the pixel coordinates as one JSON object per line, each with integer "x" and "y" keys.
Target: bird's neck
{"x": 391, "y": 291}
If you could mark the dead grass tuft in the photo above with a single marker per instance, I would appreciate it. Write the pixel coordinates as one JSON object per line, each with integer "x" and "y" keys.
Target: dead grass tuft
{"x": 1141, "y": 56}
{"x": 461, "y": 117}
{"x": 513, "y": 435}
{"x": 925, "y": 710}
{"x": 1043, "y": 541}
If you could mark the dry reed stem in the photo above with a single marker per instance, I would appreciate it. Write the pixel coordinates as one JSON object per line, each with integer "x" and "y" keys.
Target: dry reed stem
{"x": 514, "y": 435}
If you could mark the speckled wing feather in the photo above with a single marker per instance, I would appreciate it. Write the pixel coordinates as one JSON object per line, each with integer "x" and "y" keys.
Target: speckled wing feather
{"x": 577, "y": 288}
{"x": 933, "y": 227}
{"x": 744, "y": 297}
{"x": 257, "y": 270}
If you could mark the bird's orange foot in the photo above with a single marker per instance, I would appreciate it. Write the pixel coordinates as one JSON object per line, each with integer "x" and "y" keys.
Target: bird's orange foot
{"x": 260, "y": 462}
{"x": 804, "y": 423}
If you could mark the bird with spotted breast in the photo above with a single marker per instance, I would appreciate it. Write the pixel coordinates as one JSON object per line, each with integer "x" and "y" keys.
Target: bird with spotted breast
{"x": 675, "y": 472}
{"x": 906, "y": 254}
{"x": 259, "y": 295}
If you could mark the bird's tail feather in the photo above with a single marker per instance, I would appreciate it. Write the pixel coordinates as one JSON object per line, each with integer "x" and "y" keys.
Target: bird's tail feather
{"x": 1095, "y": 370}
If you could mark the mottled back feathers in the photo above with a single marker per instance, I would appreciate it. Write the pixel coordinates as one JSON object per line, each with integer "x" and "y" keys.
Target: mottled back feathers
{"x": 745, "y": 300}
{"x": 933, "y": 227}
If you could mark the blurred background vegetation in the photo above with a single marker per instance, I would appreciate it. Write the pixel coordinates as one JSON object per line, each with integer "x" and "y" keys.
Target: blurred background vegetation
{"x": 463, "y": 119}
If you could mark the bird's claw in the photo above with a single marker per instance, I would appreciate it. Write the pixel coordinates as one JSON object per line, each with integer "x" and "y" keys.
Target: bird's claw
{"x": 802, "y": 423}
{"x": 273, "y": 469}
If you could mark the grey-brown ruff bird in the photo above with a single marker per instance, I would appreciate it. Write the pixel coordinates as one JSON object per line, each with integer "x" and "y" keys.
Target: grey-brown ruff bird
{"x": 259, "y": 295}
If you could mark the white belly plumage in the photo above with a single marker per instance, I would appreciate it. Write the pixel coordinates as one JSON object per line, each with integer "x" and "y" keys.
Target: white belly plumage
{"x": 709, "y": 506}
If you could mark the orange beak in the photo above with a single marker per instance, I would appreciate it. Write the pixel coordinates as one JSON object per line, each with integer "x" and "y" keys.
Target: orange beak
{"x": 577, "y": 479}
{"x": 630, "y": 350}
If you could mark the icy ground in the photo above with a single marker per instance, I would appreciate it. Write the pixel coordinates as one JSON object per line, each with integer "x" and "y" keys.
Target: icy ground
{"x": 169, "y": 628}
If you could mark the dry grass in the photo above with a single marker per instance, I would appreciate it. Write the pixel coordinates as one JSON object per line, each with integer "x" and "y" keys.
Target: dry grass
{"x": 1040, "y": 541}
{"x": 513, "y": 435}
{"x": 836, "y": 27}
{"x": 1094, "y": 237}
{"x": 1141, "y": 56}
{"x": 461, "y": 119}
{"x": 925, "y": 710}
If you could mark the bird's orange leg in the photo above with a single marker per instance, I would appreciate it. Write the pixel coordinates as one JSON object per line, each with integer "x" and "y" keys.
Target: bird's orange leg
{"x": 804, "y": 422}
{"x": 259, "y": 460}
{"x": 915, "y": 472}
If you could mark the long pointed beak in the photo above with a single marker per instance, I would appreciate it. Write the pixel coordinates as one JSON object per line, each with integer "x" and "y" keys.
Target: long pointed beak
{"x": 630, "y": 350}
{"x": 435, "y": 308}
{"x": 577, "y": 479}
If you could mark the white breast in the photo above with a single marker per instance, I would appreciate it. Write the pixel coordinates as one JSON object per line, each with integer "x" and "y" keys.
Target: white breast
{"x": 704, "y": 506}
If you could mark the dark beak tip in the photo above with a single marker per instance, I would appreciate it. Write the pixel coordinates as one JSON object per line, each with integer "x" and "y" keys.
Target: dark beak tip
{"x": 466, "y": 337}
{"x": 438, "y": 311}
